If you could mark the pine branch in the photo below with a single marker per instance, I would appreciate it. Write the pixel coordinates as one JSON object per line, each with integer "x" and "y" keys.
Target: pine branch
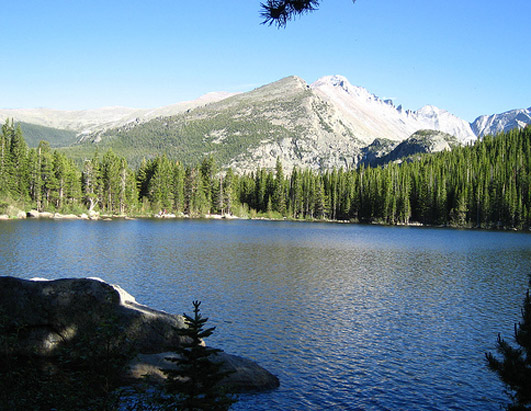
{"x": 514, "y": 368}
{"x": 279, "y": 12}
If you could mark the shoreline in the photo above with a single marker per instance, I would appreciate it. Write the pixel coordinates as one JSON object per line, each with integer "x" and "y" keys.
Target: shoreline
{"x": 37, "y": 215}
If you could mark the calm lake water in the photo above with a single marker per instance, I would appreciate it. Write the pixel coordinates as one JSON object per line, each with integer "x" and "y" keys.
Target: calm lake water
{"x": 349, "y": 317}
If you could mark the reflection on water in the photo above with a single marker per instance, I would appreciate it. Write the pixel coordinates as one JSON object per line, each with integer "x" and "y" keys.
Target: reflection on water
{"x": 348, "y": 316}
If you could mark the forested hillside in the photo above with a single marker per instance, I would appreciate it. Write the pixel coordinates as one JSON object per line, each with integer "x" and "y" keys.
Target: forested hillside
{"x": 484, "y": 185}
{"x": 34, "y": 134}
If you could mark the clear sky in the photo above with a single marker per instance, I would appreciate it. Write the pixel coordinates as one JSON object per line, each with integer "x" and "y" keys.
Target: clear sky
{"x": 470, "y": 57}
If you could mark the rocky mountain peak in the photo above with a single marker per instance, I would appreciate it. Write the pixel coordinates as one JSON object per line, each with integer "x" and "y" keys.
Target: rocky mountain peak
{"x": 431, "y": 111}
{"x": 341, "y": 85}
{"x": 498, "y": 123}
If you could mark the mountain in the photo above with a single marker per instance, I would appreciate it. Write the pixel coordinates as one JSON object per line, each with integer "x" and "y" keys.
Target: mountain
{"x": 381, "y": 151}
{"x": 498, "y": 123}
{"x": 327, "y": 124}
{"x": 370, "y": 117}
{"x": 87, "y": 122}
{"x": 284, "y": 119}
{"x": 34, "y": 134}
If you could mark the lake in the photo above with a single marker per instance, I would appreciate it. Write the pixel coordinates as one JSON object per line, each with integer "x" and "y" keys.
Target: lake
{"x": 349, "y": 317}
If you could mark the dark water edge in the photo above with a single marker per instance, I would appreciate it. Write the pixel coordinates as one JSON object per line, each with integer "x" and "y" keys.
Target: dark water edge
{"x": 348, "y": 316}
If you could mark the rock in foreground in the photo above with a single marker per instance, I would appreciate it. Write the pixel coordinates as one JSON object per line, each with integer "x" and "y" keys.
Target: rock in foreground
{"x": 53, "y": 313}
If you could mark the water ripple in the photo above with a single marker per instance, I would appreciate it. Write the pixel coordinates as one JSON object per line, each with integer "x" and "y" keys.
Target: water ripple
{"x": 349, "y": 317}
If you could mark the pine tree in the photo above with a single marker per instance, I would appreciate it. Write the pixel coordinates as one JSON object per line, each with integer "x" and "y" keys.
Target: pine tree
{"x": 514, "y": 370}
{"x": 35, "y": 182}
{"x": 159, "y": 187}
{"x": 196, "y": 379}
{"x": 208, "y": 170}
{"x": 178, "y": 188}
{"x": 230, "y": 184}
{"x": 111, "y": 181}
{"x": 47, "y": 174}
{"x": 89, "y": 183}
{"x": 16, "y": 162}
{"x": 4, "y": 159}
{"x": 278, "y": 197}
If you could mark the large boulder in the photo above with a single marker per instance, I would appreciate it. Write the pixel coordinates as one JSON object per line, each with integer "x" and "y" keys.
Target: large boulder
{"x": 50, "y": 314}
{"x": 54, "y": 312}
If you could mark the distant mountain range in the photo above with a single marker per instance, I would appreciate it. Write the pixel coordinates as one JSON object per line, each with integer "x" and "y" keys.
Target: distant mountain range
{"x": 86, "y": 122}
{"x": 329, "y": 123}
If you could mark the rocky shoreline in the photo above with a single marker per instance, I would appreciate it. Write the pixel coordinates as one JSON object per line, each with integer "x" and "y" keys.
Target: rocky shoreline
{"x": 94, "y": 216}
{"x": 34, "y": 214}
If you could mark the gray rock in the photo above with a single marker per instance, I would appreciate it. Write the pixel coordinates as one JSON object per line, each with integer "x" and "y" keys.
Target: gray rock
{"x": 33, "y": 214}
{"x": 53, "y": 313}
{"x": 246, "y": 375}
{"x": 39, "y": 214}
{"x": 58, "y": 216}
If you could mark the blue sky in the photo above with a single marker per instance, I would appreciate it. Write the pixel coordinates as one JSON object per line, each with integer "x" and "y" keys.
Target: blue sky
{"x": 470, "y": 57}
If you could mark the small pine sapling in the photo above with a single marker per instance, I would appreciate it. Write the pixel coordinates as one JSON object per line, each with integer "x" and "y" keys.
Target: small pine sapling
{"x": 195, "y": 382}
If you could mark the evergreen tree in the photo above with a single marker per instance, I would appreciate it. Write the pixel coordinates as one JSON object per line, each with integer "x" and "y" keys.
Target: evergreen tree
{"x": 143, "y": 176}
{"x": 89, "y": 183}
{"x": 47, "y": 175}
{"x": 111, "y": 181}
{"x": 4, "y": 159}
{"x": 514, "y": 369}
{"x": 14, "y": 161}
{"x": 35, "y": 183}
{"x": 197, "y": 378}
{"x": 260, "y": 199}
{"x": 278, "y": 198}
{"x": 178, "y": 188}
{"x": 230, "y": 188}
{"x": 208, "y": 171}
{"x": 296, "y": 194}
{"x": 159, "y": 187}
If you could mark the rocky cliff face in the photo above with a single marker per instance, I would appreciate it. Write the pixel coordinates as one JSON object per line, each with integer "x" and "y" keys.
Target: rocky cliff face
{"x": 308, "y": 132}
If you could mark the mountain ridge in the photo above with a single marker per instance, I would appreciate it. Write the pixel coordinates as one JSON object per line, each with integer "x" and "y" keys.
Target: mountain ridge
{"x": 329, "y": 123}
{"x": 358, "y": 103}
{"x": 85, "y": 122}
{"x": 498, "y": 123}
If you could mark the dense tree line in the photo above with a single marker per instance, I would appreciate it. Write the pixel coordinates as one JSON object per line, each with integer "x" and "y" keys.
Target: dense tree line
{"x": 483, "y": 185}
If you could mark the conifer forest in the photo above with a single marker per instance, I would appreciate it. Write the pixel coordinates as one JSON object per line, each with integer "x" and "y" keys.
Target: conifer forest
{"x": 484, "y": 185}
